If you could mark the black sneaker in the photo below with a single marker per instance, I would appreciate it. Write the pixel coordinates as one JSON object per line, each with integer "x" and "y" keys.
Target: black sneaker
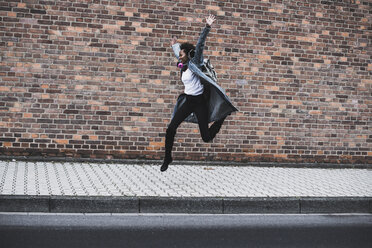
{"x": 166, "y": 162}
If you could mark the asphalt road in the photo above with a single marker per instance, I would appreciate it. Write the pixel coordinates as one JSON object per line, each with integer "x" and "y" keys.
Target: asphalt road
{"x": 181, "y": 230}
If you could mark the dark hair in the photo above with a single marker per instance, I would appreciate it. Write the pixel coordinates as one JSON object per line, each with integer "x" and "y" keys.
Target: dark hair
{"x": 188, "y": 48}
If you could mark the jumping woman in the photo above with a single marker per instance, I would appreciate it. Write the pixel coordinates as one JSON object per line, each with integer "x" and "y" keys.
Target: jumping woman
{"x": 203, "y": 101}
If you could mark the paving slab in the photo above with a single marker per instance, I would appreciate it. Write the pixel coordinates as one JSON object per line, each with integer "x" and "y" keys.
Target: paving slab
{"x": 47, "y": 186}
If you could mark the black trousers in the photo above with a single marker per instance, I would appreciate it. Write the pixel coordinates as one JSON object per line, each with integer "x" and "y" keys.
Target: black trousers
{"x": 198, "y": 106}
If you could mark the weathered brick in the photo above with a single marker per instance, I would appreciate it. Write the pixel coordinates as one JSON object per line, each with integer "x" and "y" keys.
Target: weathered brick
{"x": 99, "y": 79}
{"x": 38, "y": 11}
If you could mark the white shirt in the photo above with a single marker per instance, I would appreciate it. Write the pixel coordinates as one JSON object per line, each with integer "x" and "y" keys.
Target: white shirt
{"x": 192, "y": 83}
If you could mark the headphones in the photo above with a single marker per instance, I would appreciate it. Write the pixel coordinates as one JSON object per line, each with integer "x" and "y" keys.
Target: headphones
{"x": 190, "y": 55}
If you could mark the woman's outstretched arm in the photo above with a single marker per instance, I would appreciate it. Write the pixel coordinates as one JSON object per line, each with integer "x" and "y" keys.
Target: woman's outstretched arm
{"x": 198, "y": 58}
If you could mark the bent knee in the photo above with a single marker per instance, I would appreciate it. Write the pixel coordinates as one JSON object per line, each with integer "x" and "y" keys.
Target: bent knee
{"x": 206, "y": 139}
{"x": 171, "y": 130}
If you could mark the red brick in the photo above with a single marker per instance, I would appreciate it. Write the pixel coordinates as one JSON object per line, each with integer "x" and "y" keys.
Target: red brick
{"x": 100, "y": 79}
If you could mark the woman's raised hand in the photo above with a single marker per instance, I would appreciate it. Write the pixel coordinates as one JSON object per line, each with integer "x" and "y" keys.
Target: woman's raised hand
{"x": 174, "y": 40}
{"x": 210, "y": 19}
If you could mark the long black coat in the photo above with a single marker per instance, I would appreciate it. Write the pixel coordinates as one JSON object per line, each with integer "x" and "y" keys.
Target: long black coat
{"x": 219, "y": 104}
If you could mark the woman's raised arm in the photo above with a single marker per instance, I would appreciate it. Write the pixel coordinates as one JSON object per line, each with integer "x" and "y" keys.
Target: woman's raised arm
{"x": 198, "y": 58}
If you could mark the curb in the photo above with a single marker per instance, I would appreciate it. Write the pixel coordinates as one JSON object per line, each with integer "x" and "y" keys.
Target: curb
{"x": 188, "y": 162}
{"x": 192, "y": 205}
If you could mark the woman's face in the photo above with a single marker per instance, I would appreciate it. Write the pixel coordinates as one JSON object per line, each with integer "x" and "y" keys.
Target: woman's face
{"x": 183, "y": 57}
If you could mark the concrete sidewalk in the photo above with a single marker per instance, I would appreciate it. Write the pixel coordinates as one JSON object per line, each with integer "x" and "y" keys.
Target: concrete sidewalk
{"x": 142, "y": 188}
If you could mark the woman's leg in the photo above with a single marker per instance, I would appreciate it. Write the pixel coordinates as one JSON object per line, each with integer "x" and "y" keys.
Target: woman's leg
{"x": 183, "y": 112}
{"x": 201, "y": 112}
{"x": 215, "y": 128}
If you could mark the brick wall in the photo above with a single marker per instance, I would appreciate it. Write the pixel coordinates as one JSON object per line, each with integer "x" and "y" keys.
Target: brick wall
{"x": 96, "y": 78}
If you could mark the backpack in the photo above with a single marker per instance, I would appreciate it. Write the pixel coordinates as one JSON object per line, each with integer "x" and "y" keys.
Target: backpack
{"x": 208, "y": 70}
